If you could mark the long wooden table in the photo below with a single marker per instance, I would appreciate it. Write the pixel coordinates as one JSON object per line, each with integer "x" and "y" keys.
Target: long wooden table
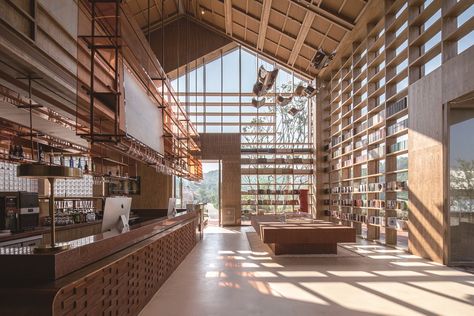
{"x": 318, "y": 237}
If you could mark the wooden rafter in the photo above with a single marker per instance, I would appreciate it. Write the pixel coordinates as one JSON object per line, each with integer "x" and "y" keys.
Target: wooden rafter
{"x": 305, "y": 27}
{"x": 329, "y": 16}
{"x": 228, "y": 16}
{"x": 262, "y": 30}
{"x": 180, "y": 6}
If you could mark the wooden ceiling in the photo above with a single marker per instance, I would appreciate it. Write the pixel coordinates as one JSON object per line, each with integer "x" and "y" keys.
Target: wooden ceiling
{"x": 287, "y": 31}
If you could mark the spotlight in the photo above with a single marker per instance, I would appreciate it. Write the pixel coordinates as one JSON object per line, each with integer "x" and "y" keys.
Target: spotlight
{"x": 258, "y": 102}
{"x": 321, "y": 59}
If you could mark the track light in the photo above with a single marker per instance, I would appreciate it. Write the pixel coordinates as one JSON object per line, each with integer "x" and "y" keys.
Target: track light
{"x": 293, "y": 111}
{"x": 265, "y": 81}
{"x": 258, "y": 102}
{"x": 322, "y": 59}
{"x": 281, "y": 100}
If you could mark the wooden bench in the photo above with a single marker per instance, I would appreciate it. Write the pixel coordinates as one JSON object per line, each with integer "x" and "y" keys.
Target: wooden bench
{"x": 319, "y": 237}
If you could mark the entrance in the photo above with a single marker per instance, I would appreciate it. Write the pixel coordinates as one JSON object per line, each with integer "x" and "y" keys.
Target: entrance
{"x": 461, "y": 182}
{"x": 207, "y": 191}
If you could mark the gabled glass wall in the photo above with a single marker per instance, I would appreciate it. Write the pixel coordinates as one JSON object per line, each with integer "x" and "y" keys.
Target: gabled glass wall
{"x": 276, "y": 140}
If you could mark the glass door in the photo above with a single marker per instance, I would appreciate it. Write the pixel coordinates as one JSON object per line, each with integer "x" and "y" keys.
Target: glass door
{"x": 461, "y": 184}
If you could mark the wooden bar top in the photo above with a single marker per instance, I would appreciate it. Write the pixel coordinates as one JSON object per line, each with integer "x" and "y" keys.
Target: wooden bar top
{"x": 24, "y": 264}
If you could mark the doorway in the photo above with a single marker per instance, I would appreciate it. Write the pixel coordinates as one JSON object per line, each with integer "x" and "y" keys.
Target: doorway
{"x": 460, "y": 213}
{"x": 207, "y": 191}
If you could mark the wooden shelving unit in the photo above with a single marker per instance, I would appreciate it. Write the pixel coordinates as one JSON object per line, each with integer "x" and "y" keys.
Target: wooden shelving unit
{"x": 364, "y": 126}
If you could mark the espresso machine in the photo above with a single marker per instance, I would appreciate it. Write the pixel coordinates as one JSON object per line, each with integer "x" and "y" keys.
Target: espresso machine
{"x": 19, "y": 211}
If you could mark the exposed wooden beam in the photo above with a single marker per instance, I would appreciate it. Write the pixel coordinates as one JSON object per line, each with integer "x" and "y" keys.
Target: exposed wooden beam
{"x": 228, "y": 16}
{"x": 251, "y": 47}
{"x": 262, "y": 30}
{"x": 328, "y": 16}
{"x": 305, "y": 27}
{"x": 180, "y": 6}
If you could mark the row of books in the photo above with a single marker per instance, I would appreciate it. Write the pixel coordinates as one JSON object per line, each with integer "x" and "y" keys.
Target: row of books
{"x": 277, "y": 161}
{"x": 360, "y": 158}
{"x": 397, "y": 205}
{"x": 360, "y": 143}
{"x": 377, "y": 135}
{"x": 337, "y": 153}
{"x": 396, "y": 107}
{"x": 391, "y": 222}
{"x": 359, "y": 203}
{"x": 371, "y": 187}
{"x": 374, "y": 220}
{"x": 402, "y": 145}
{"x": 277, "y": 150}
{"x": 270, "y": 202}
{"x": 339, "y": 139}
{"x": 397, "y": 185}
{"x": 270, "y": 191}
{"x": 349, "y": 216}
{"x": 395, "y": 128}
{"x": 374, "y": 120}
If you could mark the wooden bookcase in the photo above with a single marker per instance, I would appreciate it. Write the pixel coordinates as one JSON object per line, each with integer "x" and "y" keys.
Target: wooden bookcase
{"x": 363, "y": 166}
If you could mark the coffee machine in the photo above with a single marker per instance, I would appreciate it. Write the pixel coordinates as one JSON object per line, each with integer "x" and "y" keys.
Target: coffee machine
{"x": 19, "y": 211}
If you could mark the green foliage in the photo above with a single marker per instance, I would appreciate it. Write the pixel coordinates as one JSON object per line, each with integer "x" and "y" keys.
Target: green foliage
{"x": 207, "y": 190}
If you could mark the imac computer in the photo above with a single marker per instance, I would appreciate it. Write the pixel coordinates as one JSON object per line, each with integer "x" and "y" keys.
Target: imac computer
{"x": 172, "y": 207}
{"x": 116, "y": 213}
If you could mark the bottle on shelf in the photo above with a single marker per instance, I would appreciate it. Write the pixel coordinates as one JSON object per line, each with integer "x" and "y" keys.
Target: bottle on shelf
{"x": 51, "y": 157}
{"x": 12, "y": 150}
{"x": 71, "y": 162}
{"x": 40, "y": 154}
{"x": 86, "y": 167}
{"x": 79, "y": 164}
{"x": 20, "y": 153}
{"x": 61, "y": 159}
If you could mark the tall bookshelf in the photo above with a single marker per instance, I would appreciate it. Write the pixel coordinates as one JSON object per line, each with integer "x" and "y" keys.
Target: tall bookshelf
{"x": 363, "y": 168}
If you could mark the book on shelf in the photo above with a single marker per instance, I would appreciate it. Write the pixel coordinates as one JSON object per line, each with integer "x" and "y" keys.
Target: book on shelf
{"x": 392, "y": 222}
{"x": 397, "y": 106}
{"x": 377, "y": 220}
{"x": 402, "y": 145}
{"x": 397, "y": 205}
{"x": 397, "y": 185}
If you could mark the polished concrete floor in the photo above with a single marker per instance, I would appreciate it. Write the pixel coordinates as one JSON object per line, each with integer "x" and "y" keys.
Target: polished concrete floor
{"x": 223, "y": 276}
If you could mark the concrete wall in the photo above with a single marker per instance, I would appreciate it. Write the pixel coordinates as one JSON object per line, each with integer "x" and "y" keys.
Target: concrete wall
{"x": 428, "y": 147}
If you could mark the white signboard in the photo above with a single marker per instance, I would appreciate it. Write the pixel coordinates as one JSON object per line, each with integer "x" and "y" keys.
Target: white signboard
{"x": 143, "y": 119}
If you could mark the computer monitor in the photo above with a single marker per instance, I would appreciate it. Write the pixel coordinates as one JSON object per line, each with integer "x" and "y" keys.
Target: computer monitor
{"x": 114, "y": 208}
{"x": 172, "y": 207}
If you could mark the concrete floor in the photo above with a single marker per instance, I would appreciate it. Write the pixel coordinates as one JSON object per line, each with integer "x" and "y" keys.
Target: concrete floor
{"x": 222, "y": 276}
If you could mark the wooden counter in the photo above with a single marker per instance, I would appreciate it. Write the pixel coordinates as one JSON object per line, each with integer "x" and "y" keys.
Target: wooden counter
{"x": 106, "y": 273}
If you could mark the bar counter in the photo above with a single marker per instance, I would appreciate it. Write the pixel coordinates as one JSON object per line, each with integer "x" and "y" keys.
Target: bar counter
{"x": 107, "y": 273}
{"x": 43, "y": 230}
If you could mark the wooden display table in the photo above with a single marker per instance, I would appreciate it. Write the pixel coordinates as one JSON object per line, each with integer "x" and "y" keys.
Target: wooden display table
{"x": 318, "y": 237}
